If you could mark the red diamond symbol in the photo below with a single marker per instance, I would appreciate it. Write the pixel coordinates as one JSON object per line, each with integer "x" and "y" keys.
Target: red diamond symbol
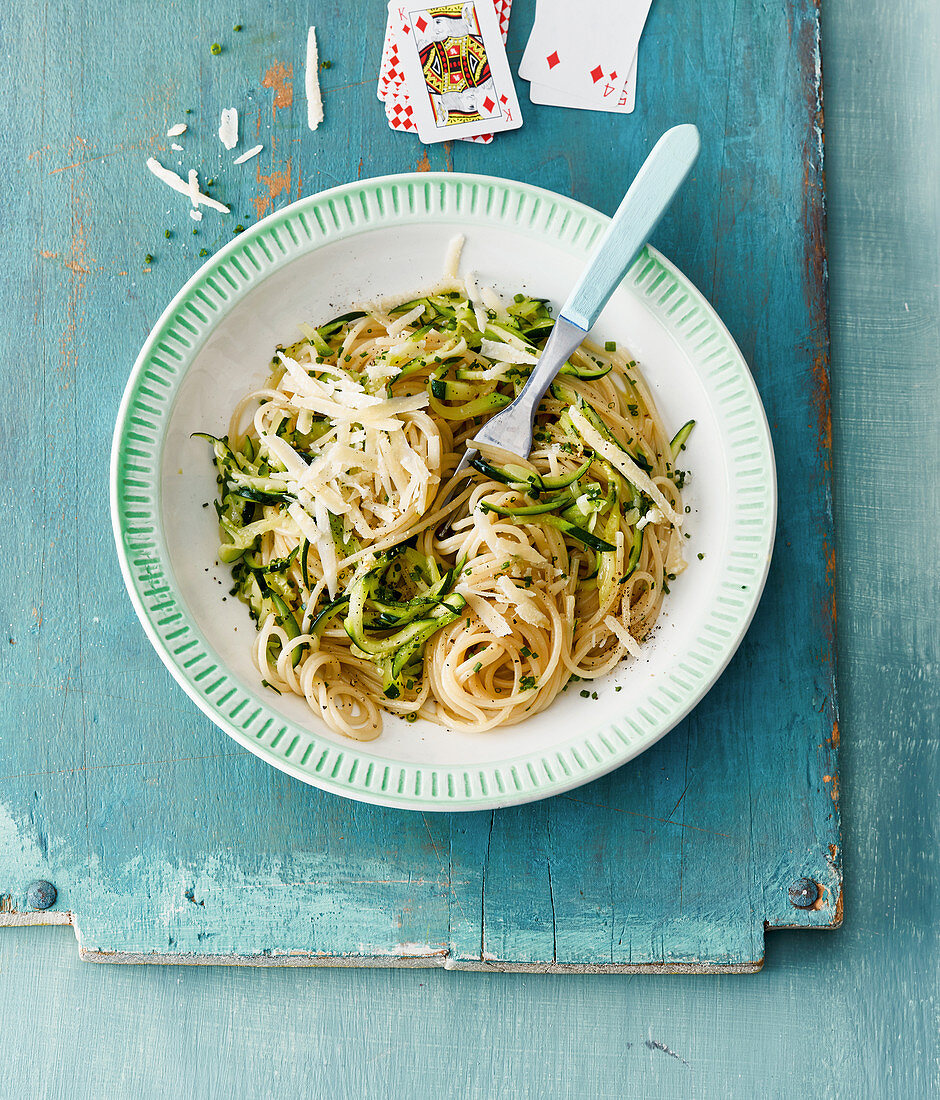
{"x": 503, "y": 100}
{"x": 613, "y": 75}
{"x": 421, "y": 23}
{"x": 488, "y": 104}
{"x": 553, "y": 59}
{"x": 596, "y": 73}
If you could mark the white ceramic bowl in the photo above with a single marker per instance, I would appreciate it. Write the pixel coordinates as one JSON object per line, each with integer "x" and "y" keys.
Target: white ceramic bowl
{"x": 321, "y": 256}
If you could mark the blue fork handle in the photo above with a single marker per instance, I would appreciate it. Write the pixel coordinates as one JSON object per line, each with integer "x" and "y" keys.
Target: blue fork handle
{"x": 637, "y": 216}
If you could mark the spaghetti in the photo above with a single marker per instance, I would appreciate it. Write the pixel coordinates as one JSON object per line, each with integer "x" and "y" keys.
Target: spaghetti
{"x": 333, "y": 481}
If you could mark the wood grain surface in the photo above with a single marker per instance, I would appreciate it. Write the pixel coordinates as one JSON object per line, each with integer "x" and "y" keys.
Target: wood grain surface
{"x": 165, "y": 840}
{"x": 844, "y": 1015}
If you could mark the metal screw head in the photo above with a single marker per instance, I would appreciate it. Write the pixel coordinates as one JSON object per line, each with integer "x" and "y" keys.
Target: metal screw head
{"x": 40, "y": 894}
{"x": 803, "y": 893}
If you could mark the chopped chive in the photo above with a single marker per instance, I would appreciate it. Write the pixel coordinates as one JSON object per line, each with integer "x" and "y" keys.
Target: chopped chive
{"x": 203, "y": 251}
{"x": 701, "y": 557}
{"x": 527, "y": 683}
{"x": 239, "y": 229}
{"x": 148, "y": 259}
{"x": 478, "y": 666}
{"x": 326, "y": 64}
{"x": 593, "y": 694}
{"x": 237, "y": 27}
{"x": 585, "y": 694}
{"x": 215, "y": 48}
{"x": 610, "y": 345}
{"x": 167, "y": 234}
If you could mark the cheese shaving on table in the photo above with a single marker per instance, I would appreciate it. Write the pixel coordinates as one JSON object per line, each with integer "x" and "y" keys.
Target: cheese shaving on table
{"x": 176, "y": 148}
{"x": 252, "y": 152}
{"x": 196, "y": 215}
{"x": 194, "y": 187}
{"x": 177, "y": 129}
{"x": 228, "y": 127}
{"x": 621, "y": 461}
{"x": 312, "y": 81}
{"x": 171, "y": 179}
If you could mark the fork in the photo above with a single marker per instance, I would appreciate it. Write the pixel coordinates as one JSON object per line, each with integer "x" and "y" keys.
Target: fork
{"x": 647, "y": 199}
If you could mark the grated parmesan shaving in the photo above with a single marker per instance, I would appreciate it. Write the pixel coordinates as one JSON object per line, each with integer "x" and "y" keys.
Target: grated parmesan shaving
{"x": 171, "y": 179}
{"x": 452, "y": 259}
{"x": 176, "y": 148}
{"x": 196, "y": 215}
{"x": 228, "y": 127}
{"x": 312, "y": 81}
{"x": 252, "y": 152}
{"x": 485, "y": 612}
{"x": 621, "y": 461}
{"x": 506, "y": 353}
{"x": 177, "y": 129}
{"x": 629, "y": 643}
{"x": 528, "y": 609}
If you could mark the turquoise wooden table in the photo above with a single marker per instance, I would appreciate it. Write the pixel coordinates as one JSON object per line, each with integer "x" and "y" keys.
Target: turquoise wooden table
{"x": 850, "y": 1013}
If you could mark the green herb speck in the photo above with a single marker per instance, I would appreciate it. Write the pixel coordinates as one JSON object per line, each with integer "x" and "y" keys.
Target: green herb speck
{"x": 611, "y": 345}
{"x": 148, "y": 259}
{"x": 585, "y": 694}
{"x": 215, "y": 48}
{"x": 167, "y": 234}
{"x": 239, "y": 229}
{"x": 237, "y": 27}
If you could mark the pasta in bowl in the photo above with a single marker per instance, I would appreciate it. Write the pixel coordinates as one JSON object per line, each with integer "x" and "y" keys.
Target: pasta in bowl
{"x": 337, "y": 474}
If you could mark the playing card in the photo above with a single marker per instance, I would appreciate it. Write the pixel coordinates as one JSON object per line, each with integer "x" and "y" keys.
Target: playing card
{"x": 391, "y": 77}
{"x": 455, "y": 67}
{"x": 622, "y": 104}
{"x": 390, "y": 73}
{"x": 400, "y": 115}
{"x": 588, "y": 58}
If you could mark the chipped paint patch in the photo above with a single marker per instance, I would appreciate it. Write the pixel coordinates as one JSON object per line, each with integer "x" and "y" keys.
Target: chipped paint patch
{"x": 279, "y": 78}
{"x": 274, "y": 184}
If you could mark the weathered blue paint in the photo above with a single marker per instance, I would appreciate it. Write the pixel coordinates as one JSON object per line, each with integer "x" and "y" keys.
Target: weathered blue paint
{"x": 163, "y": 839}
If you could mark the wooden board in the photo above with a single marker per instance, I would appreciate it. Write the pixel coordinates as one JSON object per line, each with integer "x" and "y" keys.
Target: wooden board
{"x": 164, "y": 840}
